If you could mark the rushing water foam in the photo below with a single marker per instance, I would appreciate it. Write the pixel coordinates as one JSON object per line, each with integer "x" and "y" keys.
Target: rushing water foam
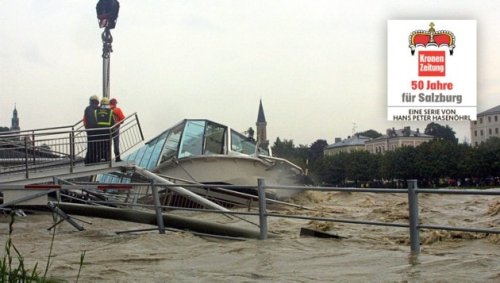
{"x": 367, "y": 253}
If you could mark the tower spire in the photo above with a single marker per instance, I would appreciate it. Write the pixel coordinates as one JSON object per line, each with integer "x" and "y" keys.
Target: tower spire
{"x": 15, "y": 121}
{"x": 262, "y": 128}
{"x": 261, "y": 118}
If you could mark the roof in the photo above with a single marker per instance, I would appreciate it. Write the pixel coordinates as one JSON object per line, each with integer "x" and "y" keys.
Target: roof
{"x": 356, "y": 140}
{"x": 494, "y": 110}
{"x": 400, "y": 133}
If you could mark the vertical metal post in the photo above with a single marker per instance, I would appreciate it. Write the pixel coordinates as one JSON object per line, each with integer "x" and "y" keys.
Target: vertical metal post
{"x": 107, "y": 39}
{"x": 262, "y": 209}
{"x": 110, "y": 148}
{"x": 105, "y": 77}
{"x": 33, "y": 147}
{"x": 413, "y": 215}
{"x": 55, "y": 180}
{"x": 71, "y": 151}
{"x": 26, "y": 158}
{"x": 159, "y": 216}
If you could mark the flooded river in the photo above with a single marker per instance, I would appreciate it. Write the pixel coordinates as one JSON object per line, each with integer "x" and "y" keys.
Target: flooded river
{"x": 366, "y": 253}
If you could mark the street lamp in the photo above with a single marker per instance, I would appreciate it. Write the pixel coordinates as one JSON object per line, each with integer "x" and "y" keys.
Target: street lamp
{"x": 107, "y": 13}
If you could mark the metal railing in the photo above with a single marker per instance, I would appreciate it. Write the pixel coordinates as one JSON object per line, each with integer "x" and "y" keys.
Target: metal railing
{"x": 27, "y": 151}
{"x": 155, "y": 196}
{"x": 414, "y": 226}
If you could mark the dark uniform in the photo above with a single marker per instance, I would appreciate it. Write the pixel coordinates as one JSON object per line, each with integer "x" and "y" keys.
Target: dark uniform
{"x": 105, "y": 119}
{"x": 90, "y": 124}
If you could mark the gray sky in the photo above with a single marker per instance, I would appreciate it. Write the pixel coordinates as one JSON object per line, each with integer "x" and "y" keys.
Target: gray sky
{"x": 318, "y": 66}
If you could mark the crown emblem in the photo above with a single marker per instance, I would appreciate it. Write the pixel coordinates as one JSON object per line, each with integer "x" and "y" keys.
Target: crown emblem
{"x": 431, "y": 37}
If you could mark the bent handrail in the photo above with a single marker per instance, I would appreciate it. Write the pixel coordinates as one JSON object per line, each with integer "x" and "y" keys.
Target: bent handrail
{"x": 28, "y": 151}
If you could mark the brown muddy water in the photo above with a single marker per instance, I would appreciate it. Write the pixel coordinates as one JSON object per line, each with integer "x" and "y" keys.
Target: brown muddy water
{"x": 367, "y": 253}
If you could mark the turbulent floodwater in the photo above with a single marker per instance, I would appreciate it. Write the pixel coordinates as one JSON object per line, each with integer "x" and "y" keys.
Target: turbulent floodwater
{"x": 365, "y": 254}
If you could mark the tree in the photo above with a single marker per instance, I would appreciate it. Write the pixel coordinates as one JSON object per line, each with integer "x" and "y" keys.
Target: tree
{"x": 316, "y": 149}
{"x": 370, "y": 133}
{"x": 287, "y": 150}
{"x": 489, "y": 155}
{"x": 332, "y": 169}
{"x": 283, "y": 149}
{"x": 300, "y": 155}
{"x": 4, "y": 129}
{"x": 440, "y": 132}
{"x": 359, "y": 166}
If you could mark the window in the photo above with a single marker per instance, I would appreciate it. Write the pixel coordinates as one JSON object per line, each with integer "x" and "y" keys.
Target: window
{"x": 475, "y": 133}
{"x": 480, "y": 120}
{"x": 214, "y": 139}
{"x": 192, "y": 139}
{"x": 496, "y": 131}
{"x": 242, "y": 144}
{"x": 172, "y": 143}
{"x": 496, "y": 118}
{"x": 201, "y": 137}
{"x": 489, "y": 119}
{"x": 155, "y": 153}
{"x": 490, "y": 131}
{"x": 482, "y": 133}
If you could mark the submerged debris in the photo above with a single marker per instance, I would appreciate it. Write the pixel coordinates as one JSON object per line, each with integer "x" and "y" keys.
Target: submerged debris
{"x": 305, "y": 232}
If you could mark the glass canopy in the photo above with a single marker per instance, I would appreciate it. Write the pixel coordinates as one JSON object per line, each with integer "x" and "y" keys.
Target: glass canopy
{"x": 192, "y": 138}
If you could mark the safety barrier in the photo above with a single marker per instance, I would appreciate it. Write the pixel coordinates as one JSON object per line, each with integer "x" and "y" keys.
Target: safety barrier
{"x": 155, "y": 196}
{"x": 28, "y": 151}
{"x": 413, "y": 225}
{"x": 413, "y": 209}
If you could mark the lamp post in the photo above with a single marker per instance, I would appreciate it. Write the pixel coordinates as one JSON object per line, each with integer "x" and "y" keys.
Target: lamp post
{"x": 107, "y": 13}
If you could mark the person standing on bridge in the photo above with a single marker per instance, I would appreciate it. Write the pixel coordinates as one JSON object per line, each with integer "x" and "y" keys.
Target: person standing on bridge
{"x": 105, "y": 120}
{"x": 89, "y": 122}
{"x": 119, "y": 117}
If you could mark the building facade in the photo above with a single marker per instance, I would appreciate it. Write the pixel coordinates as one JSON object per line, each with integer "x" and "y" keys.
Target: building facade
{"x": 354, "y": 143}
{"x": 394, "y": 139}
{"x": 486, "y": 126}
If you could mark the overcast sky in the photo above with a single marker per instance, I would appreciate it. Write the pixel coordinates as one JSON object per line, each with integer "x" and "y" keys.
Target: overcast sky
{"x": 318, "y": 66}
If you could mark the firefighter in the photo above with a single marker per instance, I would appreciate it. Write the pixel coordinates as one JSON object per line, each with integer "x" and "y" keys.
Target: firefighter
{"x": 119, "y": 116}
{"x": 90, "y": 124}
{"x": 105, "y": 120}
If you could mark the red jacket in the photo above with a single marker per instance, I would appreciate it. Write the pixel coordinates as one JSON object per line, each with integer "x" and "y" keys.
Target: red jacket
{"x": 119, "y": 116}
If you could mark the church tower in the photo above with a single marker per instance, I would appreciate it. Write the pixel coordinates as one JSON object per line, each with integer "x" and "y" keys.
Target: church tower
{"x": 15, "y": 121}
{"x": 262, "y": 128}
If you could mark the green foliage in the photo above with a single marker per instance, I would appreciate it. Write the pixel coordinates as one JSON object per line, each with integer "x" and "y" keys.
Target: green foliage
{"x": 370, "y": 133}
{"x": 287, "y": 150}
{"x": 488, "y": 158}
{"x": 284, "y": 149}
{"x": 4, "y": 129}
{"x": 441, "y": 132}
{"x": 430, "y": 162}
{"x": 332, "y": 169}
{"x": 315, "y": 151}
{"x": 10, "y": 272}
{"x": 404, "y": 165}
{"x": 359, "y": 166}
